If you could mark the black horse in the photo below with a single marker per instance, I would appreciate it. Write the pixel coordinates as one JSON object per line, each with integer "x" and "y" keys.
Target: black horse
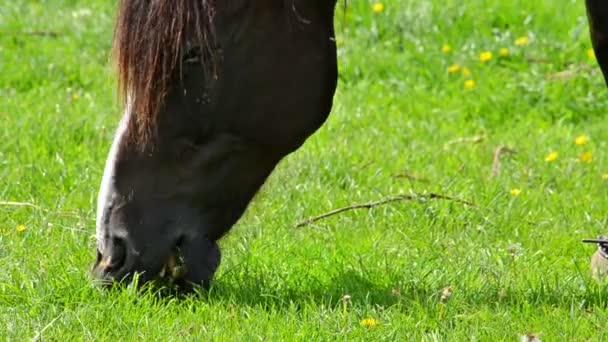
{"x": 216, "y": 93}
{"x": 597, "y": 14}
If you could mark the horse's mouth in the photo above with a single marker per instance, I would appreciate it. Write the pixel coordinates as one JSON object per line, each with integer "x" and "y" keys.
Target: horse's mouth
{"x": 174, "y": 268}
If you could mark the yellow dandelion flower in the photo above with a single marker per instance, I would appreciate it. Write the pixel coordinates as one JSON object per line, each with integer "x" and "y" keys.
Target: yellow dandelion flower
{"x": 75, "y": 97}
{"x": 469, "y": 84}
{"x": 369, "y": 322}
{"x": 446, "y": 48}
{"x": 591, "y": 54}
{"x": 521, "y": 41}
{"x": 378, "y": 7}
{"x": 453, "y": 68}
{"x": 515, "y": 192}
{"x": 485, "y": 56}
{"x": 20, "y": 228}
{"x": 605, "y": 176}
{"x": 586, "y": 157}
{"x": 581, "y": 139}
{"x": 466, "y": 72}
{"x": 551, "y": 156}
{"x": 504, "y": 52}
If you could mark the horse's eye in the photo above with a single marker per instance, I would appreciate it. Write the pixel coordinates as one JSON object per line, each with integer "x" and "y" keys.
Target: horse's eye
{"x": 185, "y": 150}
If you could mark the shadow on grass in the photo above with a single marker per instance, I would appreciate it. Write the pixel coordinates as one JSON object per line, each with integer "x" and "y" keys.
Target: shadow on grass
{"x": 271, "y": 292}
{"x": 365, "y": 292}
{"x": 349, "y": 286}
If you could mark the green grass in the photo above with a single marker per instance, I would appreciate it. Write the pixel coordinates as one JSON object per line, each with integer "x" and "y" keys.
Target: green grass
{"x": 515, "y": 263}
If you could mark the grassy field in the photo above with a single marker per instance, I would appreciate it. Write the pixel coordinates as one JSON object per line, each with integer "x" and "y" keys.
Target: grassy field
{"x": 411, "y": 115}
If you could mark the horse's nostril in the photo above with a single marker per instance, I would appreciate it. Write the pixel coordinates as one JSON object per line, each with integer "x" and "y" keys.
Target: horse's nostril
{"x": 114, "y": 258}
{"x": 99, "y": 256}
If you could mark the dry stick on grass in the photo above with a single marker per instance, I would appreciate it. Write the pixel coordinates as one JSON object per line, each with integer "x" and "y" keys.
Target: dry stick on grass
{"x": 32, "y": 205}
{"x": 370, "y": 205}
{"x": 50, "y": 34}
{"x": 474, "y": 139}
{"x": 538, "y": 60}
{"x": 364, "y": 165}
{"x": 500, "y": 150}
{"x": 568, "y": 73}
{"x": 411, "y": 177}
{"x": 18, "y": 204}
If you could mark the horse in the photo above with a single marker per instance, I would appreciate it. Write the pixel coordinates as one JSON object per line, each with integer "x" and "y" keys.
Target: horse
{"x": 214, "y": 94}
{"x": 597, "y": 16}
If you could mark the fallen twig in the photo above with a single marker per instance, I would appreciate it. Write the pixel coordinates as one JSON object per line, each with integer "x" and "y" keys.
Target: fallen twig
{"x": 411, "y": 177}
{"x": 50, "y": 34}
{"x": 538, "y": 60}
{"x": 498, "y": 152}
{"x": 34, "y": 206}
{"x": 568, "y": 73}
{"x": 364, "y": 165}
{"x": 369, "y": 205}
{"x": 18, "y": 204}
{"x": 474, "y": 139}
{"x": 51, "y": 225}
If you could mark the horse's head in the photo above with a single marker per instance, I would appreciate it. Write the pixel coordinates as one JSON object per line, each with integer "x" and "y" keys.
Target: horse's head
{"x": 151, "y": 212}
{"x": 214, "y": 99}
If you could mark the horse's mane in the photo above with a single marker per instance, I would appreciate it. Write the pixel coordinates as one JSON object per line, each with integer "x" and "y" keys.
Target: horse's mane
{"x": 149, "y": 39}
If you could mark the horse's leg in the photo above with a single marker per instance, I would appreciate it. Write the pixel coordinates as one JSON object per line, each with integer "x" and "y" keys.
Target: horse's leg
{"x": 597, "y": 13}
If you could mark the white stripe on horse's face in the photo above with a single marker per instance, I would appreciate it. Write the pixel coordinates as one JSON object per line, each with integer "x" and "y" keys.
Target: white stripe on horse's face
{"x": 108, "y": 178}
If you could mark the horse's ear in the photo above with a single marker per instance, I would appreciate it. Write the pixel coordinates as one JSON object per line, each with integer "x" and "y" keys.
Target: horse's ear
{"x": 597, "y": 14}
